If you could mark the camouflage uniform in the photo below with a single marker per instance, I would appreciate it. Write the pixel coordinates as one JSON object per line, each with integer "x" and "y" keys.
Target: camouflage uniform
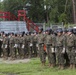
{"x": 26, "y": 45}
{"x": 5, "y": 47}
{"x": 34, "y": 48}
{"x": 50, "y": 50}
{"x": 12, "y": 50}
{"x": 1, "y": 41}
{"x": 8, "y": 46}
{"x": 60, "y": 50}
{"x": 70, "y": 42}
{"x": 31, "y": 44}
{"x": 75, "y": 49}
{"x": 42, "y": 55}
{"x": 28, "y": 40}
{"x": 17, "y": 45}
{"x": 22, "y": 47}
{"x": 65, "y": 54}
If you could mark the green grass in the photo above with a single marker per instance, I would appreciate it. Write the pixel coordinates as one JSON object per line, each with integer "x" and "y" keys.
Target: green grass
{"x": 32, "y": 68}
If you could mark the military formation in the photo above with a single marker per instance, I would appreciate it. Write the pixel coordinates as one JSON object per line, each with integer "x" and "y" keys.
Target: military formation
{"x": 18, "y": 46}
{"x": 59, "y": 46}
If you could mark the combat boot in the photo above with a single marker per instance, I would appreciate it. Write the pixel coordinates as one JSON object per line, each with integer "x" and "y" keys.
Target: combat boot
{"x": 59, "y": 66}
{"x": 5, "y": 58}
{"x": 29, "y": 56}
{"x": 12, "y": 59}
{"x": 62, "y": 67}
{"x": 52, "y": 65}
{"x": 43, "y": 64}
{"x": 71, "y": 66}
{"x": 49, "y": 65}
{"x": 22, "y": 57}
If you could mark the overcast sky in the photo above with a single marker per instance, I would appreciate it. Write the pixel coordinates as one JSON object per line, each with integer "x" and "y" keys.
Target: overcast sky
{"x": 1, "y": 0}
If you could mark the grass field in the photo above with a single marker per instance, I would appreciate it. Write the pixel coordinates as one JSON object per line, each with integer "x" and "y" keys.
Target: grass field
{"x": 32, "y": 68}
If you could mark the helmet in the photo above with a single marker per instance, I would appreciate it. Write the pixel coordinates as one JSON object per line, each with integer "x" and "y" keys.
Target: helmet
{"x": 59, "y": 31}
{"x": 64, "y": 30}
{"x": 29, "y": 33}
{"x": 50, "y": 30}
{"x": 34, "y": 31}
{"x": 74, "y": 30}
{"x": 70, "y": 30}
{"x": 41, "y": 28}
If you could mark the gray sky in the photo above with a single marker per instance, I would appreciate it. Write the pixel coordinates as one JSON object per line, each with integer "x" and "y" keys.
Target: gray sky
{"x": 1, "y": 0}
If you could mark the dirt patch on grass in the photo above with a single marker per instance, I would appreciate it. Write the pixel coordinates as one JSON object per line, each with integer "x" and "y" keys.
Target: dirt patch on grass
{"x": 14, "y": 61}
{"x": 7, "y": 74}
{"x": 11, "y": 74}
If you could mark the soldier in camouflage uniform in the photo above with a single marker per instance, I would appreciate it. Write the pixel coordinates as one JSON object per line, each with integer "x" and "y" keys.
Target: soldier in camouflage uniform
{"x": 70, "y": 42}
{"x": 17, "y": 45}
{"x": 12, "y": 44}
{"x": 29, "y": 44}
{"x": 65, "y": 54}
{"x": 74, "y": 31}
{"x": 41, "y": 39}
{"x": 50, "y": 48}
{"x": 26, "y": 45}
{"x": 5, "y": 46}
{"x": 1, "y": 41}
{"x": 60, "y": 49}
{"x": 8, "y": 45}
{"x": 22, "y": 46}
{"x": 34, "y": 41}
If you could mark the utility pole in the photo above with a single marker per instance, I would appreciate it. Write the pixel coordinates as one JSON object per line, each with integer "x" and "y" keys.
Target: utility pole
{"x": 74, "y": 10}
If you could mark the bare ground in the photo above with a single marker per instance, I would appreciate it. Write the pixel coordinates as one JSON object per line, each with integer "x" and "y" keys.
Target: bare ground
{"x": 14, "y": 61}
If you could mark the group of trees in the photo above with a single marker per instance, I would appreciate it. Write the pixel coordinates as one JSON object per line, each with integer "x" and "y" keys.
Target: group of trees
{"x": 43, "y": 10}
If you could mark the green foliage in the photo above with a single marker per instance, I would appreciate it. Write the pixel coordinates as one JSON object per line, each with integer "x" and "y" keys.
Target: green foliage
{"x": 13, "y": 6}
{"x": 63, "y": 18}
{"x": 36, "y": 12}
{"x": 56, "y": 10}
{"x": 1, "y": 6}
{"x": 59, "y": 13}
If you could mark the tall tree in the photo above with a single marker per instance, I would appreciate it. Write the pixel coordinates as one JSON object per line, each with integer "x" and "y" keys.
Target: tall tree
{"x": 74, "y": 10}
{"x": 55, "y": 10}
{"x": 1, "y": 6}
{"x": 60, "y": 13}
{"x": 13, "y": 6}
{"x": 36, "y": 12}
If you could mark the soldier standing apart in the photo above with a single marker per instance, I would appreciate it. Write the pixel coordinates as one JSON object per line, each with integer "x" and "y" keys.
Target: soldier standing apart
{"x": 50, "y": 48}
{"x": 5, "y": 46}
{"x": 41, "y": 46}
{"x": 70, "y": 42}
{"x": 60, "y": 49}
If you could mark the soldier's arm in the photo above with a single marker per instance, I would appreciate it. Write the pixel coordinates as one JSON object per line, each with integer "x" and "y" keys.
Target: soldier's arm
{"x": 7, "y": 40}
{"x": 64, "y": 41}
{"x": 53, "y": 40}
{"x": 74, "y": 41}
{"x": 24, "y": 40}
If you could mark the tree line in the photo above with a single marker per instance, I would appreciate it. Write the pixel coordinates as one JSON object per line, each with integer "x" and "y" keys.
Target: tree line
{"x": 53, "y": 11}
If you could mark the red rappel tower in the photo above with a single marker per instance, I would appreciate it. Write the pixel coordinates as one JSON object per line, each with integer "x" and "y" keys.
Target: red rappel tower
{"x": 21, "y": 16}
